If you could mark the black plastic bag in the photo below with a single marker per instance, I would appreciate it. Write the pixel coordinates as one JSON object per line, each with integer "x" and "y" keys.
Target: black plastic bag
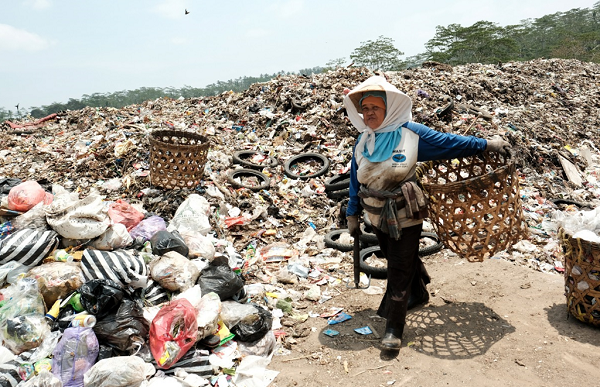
{"x": 164, "y": 241}
{"x": 219, "y": 278}
{"x": 100, "y": 296}
{"x": 126, "y": 329}
{"x": 254, "y": 326}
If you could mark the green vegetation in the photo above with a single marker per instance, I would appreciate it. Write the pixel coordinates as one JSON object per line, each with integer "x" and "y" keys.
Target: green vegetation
{"x": 574, "y": 34}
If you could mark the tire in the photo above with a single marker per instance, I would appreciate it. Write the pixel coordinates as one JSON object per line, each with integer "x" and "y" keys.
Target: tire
{"x": 374, "y": 272}
{"x": 433, "y": 248}
{"x": 338, "y": 182}
{"x": 288, "y": 165}
{"x": 368, "y": 237}
{"x": 381, "y": 273}
{"x": 265, "y": 181}
{"x": 332, "y": 240}
{"x": 344, "y": 193}
{"x": 241, "y": 158}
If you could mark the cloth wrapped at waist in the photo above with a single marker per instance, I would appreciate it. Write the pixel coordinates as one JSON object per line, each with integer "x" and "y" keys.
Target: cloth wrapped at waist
{"x": 409, "y": 196}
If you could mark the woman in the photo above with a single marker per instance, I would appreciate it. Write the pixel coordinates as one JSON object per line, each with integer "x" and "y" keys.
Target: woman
{"x": 383, "y": 183}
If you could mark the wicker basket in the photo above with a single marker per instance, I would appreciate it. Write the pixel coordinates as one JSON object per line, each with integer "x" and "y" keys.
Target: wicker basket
{"x": 475, "y": 204}
{"x": 177, "y": 158}
{"x": 582, "y": 277}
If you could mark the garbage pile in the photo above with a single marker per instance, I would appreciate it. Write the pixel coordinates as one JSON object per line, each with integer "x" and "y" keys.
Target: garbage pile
{"x": 202, "y": 285}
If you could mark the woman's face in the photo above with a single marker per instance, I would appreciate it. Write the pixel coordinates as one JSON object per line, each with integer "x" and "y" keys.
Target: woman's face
{"x": 373, "y": 115}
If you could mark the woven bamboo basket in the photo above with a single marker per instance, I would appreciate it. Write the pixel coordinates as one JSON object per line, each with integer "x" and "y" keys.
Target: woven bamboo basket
{"x": 582, "y": 277}
{"x": 475, "y": 205}
{"x": 177, "y": 158}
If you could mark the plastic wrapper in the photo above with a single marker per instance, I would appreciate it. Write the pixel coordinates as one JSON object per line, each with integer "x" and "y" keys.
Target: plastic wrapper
{"x": 254, "y": 326}
{"x": 192, "y": 215}
{"x": 43, "y": 379}
{"x": 126, "y": 329}
{"x": 174, "y": 272}
{"x": 164, "y": 241}
{"x": 22, "y": 322}
{"x": 11, "y": 271}
{"x": 35, "y": 218}
{"x": 115, "y": 237}
{"x": 121, "y": 212}
{"x": 28, "y": 247}
{"x": 26, "y": 195}
{"x": 208, "y": 311}
{"x": 219, "y": 278}
{"x": 100, "y": 297}
{"x": 6, "y": 229}
{"x": 47, "y": 346}
{"x": 148, "y": 227}
{"x": 262, "y": 347}
{"x": 77, "y": 218}
{"x": 199, "y": 246}
{"x": 122, "y": 371}
{"x": 74, "y": 355}
{"x": 56, "y": 280}
{"x": 173, "y": 332}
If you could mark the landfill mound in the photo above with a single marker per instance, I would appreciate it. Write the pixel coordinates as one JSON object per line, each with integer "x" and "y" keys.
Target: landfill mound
{"x": 241, "y": 251}
{"x": 546, "y": 108}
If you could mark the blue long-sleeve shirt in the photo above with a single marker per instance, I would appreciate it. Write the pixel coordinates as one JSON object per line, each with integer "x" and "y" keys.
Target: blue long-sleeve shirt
{"x": 433, "y": 145}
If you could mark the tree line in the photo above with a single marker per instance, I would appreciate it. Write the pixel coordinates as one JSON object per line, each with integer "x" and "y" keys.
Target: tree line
{"x": 574, "y": 34}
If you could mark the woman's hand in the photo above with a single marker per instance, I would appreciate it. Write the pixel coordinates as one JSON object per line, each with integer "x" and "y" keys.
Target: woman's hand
{"x": 498, "y": 145}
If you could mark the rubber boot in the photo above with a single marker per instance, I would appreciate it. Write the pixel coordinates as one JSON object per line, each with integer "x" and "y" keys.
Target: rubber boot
{"x": 392, "y": 339}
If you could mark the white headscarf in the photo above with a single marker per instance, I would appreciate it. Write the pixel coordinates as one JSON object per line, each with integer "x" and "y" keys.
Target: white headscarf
{"x": 398, "y": 111}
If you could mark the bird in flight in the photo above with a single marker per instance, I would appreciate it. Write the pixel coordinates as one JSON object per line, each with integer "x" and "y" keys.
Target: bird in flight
{"x": 186, "y": 11}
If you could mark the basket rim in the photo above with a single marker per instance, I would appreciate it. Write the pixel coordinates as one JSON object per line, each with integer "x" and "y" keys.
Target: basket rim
{"x": 460, "y": 183}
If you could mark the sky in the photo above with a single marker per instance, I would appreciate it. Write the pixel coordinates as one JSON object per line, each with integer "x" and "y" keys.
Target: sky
{"x": 53, "y": 50}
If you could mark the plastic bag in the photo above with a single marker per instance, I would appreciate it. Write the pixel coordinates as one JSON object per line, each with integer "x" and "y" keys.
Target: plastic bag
{"x": 194, "y": 361}
{"x": 262, "y": 347}
{"x": 173, "y": 332}
{"x": 164, "y": 241}
{"x": 56, "y": 280}
{"x": 28, "y": 246}
{"x": 35, "y": 218}
{"x": 26, "y": 195}
{"x": 115, "y": 237}
{"x": 192, "y": 215}
{"x": 124, "y": 330}
{"x": 253, "y": 327}
{"x": 99, "y": 297}
{"x": 154, "y": 294}
{"x": 75, "y": 353}
{"x": 174, "y": 272}
{"x": 232, "y": 312}
{"x": 148, "y": 227}
{"x": 125, "y": 267}
{"x": 124, "y": 213}
{"x": 208, "y": 311}
{"x": 121, "y": 371}
{"x": 200, "y": 246}
{"x": 11, "y": 271}
{"x": 218, "y": 277}
{"x": 77, "y": 218}
{"x": 44, "y": 379}
{"x": 22, "y": 322}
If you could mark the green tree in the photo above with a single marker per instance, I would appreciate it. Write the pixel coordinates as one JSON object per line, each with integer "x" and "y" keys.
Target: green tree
{"x": 335, "y": 63}
{"x": 378, "y": 55}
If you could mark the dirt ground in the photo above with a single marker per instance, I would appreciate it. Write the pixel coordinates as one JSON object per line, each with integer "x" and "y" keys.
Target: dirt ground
{"x": 493, "y": 323}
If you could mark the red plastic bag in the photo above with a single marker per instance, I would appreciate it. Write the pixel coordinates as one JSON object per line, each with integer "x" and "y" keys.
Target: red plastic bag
{"x": 173, "y": 332}
{"x": 122, "y": 212}
{"x": 26, "y": 195}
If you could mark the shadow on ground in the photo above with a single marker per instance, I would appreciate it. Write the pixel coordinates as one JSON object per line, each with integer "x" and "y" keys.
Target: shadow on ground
{"x": 452, "y": 331}
{"x": 568, "y": 326}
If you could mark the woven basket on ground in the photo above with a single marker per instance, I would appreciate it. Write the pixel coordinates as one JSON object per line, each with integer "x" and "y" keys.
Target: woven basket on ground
{"x": 177, "y": 158}
{"x": 582, "y": 277}
{"x": 475, "y": 205}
